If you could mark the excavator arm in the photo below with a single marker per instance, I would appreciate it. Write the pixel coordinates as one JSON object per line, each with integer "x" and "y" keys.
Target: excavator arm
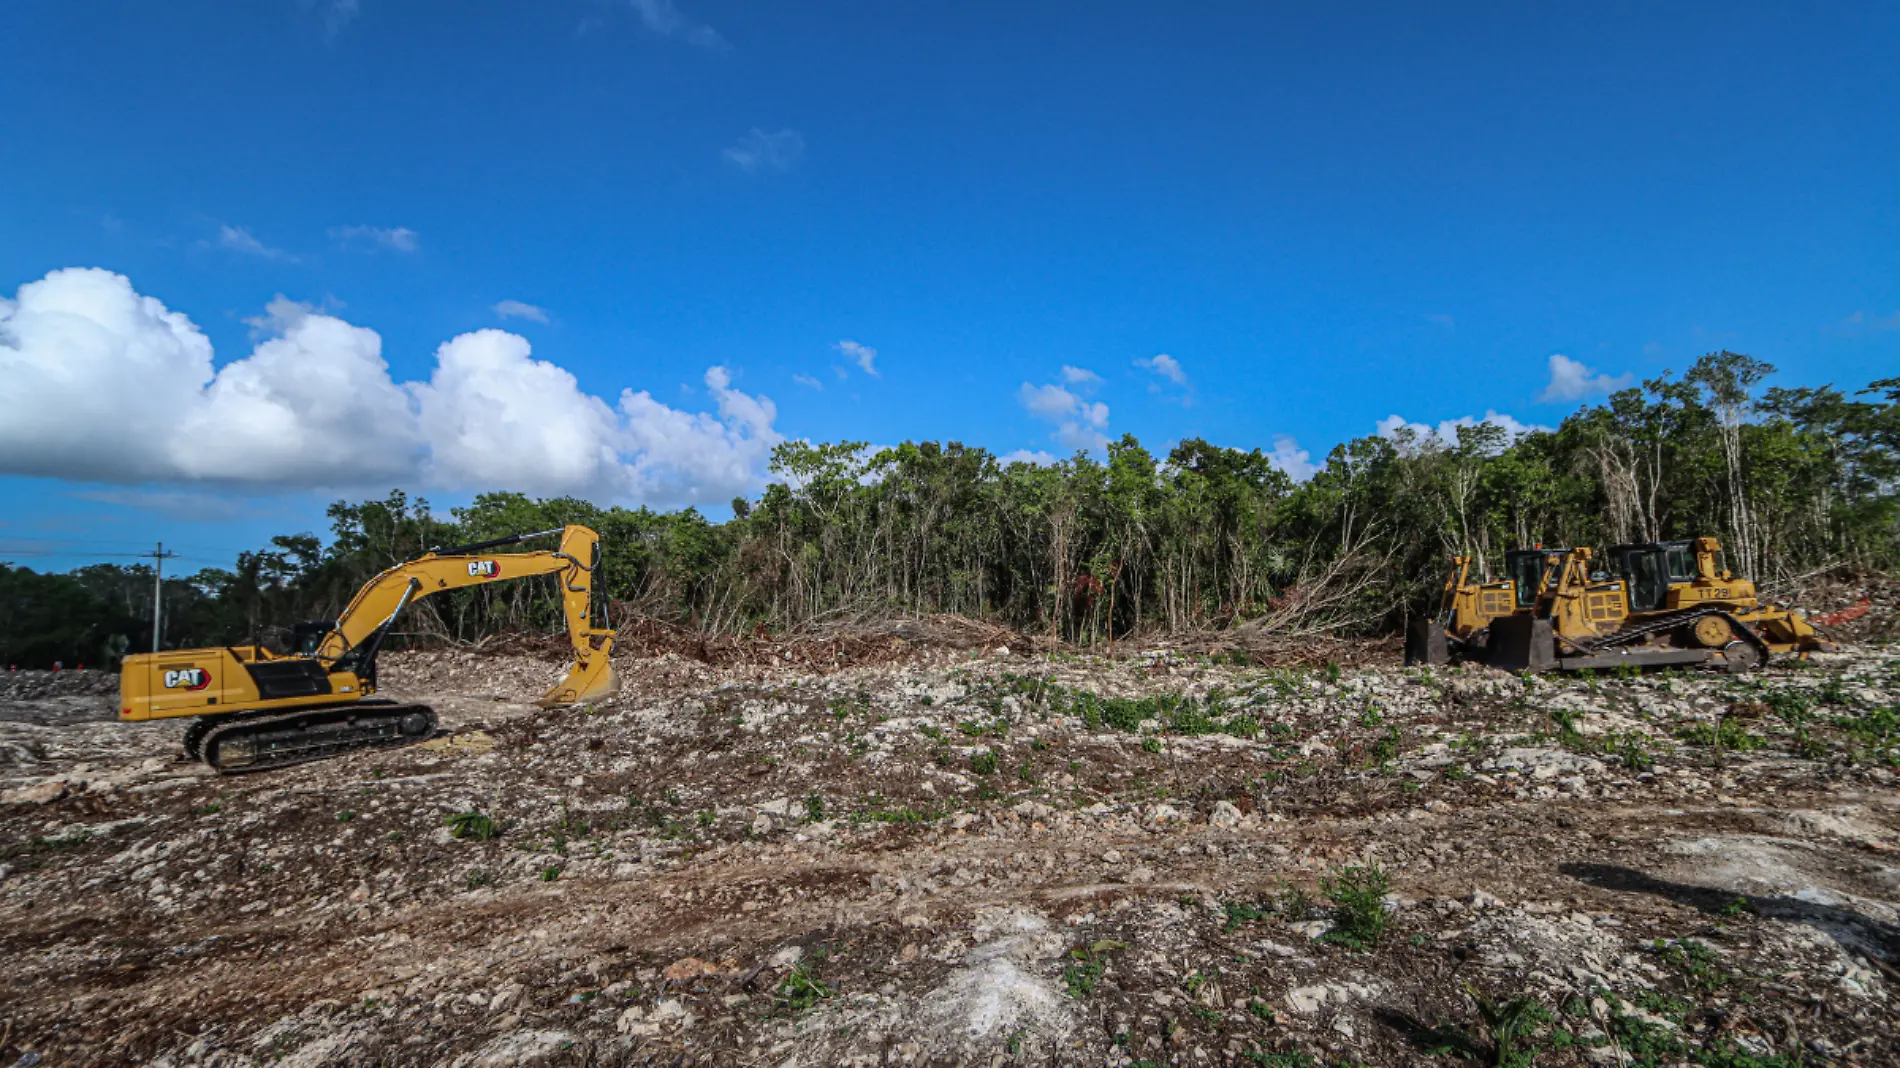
{"x": 357, "y": 635}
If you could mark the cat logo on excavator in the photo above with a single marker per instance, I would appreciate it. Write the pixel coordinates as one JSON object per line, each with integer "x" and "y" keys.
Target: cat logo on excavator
{"x": 484, "y": 569}
{"x": 187, "y": 679}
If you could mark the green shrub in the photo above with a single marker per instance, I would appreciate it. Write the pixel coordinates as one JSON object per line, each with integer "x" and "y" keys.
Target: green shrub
{"x": 1357, "y": 894}
{"x": 473, "y": 825}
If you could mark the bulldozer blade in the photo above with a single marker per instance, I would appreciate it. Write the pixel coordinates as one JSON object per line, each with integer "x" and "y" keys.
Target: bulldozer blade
{"x": 589, "y": 680}
{"x": 1425, "y": 643}
{"x": 1521, "y": 643}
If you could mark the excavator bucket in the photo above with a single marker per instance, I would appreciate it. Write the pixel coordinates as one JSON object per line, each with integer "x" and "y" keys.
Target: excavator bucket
{"x": 588, "y": 680}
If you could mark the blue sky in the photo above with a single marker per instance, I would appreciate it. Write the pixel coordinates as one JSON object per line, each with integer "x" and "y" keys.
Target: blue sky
{"x": 1325, "y": 216}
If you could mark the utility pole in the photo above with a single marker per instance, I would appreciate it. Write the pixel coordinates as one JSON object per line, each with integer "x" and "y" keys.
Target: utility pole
{"x": 159, "y": 556}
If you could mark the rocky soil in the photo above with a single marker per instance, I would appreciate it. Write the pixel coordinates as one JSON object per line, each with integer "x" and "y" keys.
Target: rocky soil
{"x": 986, "y": 858}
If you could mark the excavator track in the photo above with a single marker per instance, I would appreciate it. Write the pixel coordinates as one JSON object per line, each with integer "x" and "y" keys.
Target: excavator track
{"x": 249, "y": 743}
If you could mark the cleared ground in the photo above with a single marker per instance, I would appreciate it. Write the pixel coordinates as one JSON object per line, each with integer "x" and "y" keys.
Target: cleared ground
{"x": 975, "y": 858}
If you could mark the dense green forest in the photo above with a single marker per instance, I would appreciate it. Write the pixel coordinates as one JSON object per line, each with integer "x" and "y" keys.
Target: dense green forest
{"x": 1794, "y": 481}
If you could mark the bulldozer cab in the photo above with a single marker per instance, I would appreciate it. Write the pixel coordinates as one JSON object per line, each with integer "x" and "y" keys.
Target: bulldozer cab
{"x": 1651, "y": 568}
{"x": 1527, "y": 569}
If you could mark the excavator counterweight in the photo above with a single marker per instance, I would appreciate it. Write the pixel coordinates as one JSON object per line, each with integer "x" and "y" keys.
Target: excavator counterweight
{"x": 256, "y": 709}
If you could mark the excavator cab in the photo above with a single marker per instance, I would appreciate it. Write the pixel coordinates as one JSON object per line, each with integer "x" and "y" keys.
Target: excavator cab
{"x": 306, "y": 637}
{"x": 1530, "y": 570}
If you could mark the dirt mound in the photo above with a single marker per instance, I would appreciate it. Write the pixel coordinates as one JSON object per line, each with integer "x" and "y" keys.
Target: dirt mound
{"x": 821, "y": 647}
{"x": 40, "y": 685}
{"x": 1863, "y": 612}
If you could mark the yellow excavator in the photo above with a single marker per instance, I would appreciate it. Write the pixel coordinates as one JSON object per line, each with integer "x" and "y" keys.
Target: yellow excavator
{"x": 257, "y": 709}
{"x": 1658, "y": 604}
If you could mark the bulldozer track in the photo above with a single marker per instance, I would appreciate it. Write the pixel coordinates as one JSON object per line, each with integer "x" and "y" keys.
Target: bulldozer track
{"x": 1665, "y": 623}
{"x": 285, "y": 739}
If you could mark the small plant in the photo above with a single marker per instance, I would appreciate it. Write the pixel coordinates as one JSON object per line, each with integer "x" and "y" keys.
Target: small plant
{"x": 472, "y": 826}
{"x": 550, "y": 873}
{"x": 1258, "y": 1007}
{"x": 1509, "y": 1024}
{"x": 570, "y": 825}
{"x": 983, "y": 762}
{"x": 1240, "y": 912}
{"x": 1386, "y": 749}
{"x": 814, "y": 807}
{"x": 1675, "y": 1010}
{"x": 1080, "y": 978}
{"x": 1151, "y": 744}
{"x": 1738, "y": 907}
{"x": 1810, "y": 747}
{"x": 1086, "y": 966}
{"x": 345, "y": 817}
{"x": 1567, "y": 733}
{"x": 1295, "y": 904}
{"x": 1697, "y": 963}
{"x": 800, "y": 989}
{"x": 1241, "y": 726}
{"x": 1792, "y": 706}
{"x": 1627, "y": 747}
{"x": 1357, "y": 894}
{"x": 478, "y": 878}
{"x": 212, "y": 809}
{"x": 1728, "y": 735}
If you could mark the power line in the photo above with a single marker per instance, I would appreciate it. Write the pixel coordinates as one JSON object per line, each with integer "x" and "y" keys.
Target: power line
{"x": 61, "y": 553}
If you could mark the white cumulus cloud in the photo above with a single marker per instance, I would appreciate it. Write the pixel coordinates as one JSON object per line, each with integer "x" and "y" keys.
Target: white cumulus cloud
{"x": 761, "y": 151}
{"x": 1446, "y": 432}
{"x": 1289, "y": 457}
{"x": 1167, "y": 367}
{"x": 240, "y": 240}
{"x": 400, "y": 238}
{"x": 1035, "y": 458}
{"x": 517, "y": 309}
{"x": 1572, "y": 380}
{"x": 1080, "y": 376}
{"x": 661, "y": 17}
{"x": 1079, "y": 423}
{"x": 101, "y": 383}
{"x": 808, "y": 381}
{"x": 863, "y": 355}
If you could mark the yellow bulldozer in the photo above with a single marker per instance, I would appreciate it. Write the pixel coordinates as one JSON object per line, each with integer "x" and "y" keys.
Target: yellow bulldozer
{"x": 1657, "y": 604}
{"x": 1461, "y": 629}
{"x": 256, "y": 709}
